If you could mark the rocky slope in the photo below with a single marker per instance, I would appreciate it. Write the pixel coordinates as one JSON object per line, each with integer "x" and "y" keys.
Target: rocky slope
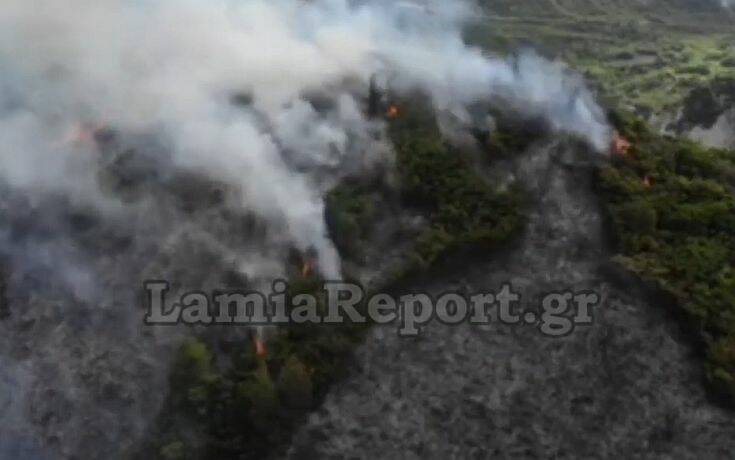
{"x": 708, "y": 115}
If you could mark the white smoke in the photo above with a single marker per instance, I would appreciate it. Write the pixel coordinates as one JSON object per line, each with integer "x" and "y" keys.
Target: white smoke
{"x": 172, "y": 66}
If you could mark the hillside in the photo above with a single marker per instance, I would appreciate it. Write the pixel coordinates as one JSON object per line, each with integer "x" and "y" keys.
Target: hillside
{"x": 528, "y": 215}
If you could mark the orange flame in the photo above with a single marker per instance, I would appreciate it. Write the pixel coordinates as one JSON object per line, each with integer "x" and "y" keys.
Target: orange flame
{"x": 261, "y": 351}
{"x": 307, "y": 269}
{"x": 393, "y": 112}
{"x": 621, "y": 146}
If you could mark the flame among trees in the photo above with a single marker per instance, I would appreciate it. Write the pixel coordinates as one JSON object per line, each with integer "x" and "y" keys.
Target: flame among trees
{"x": 672, "y": 208}
{"x": 393, "y": 112}
{"x": 620, "y": 145}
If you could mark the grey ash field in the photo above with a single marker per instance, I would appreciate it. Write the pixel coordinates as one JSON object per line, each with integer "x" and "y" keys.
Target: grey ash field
{"x": 648, "y": 224}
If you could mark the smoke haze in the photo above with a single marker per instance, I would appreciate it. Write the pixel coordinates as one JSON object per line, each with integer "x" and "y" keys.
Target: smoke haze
{"x": 171, "y": 67}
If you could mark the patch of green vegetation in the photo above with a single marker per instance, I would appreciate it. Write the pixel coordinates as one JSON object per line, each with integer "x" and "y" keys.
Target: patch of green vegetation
{"x": 671, "y": 203}
{"x": 238, "y": 405}
{"x": 350, "y": 212}
{"x": 699, "y": 69}
{"x": 463, "y": 209}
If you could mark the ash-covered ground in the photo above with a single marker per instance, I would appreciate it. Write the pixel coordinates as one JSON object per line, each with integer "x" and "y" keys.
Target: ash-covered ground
{"x": 628, "y": 386}
{"x": 81, "y": 374}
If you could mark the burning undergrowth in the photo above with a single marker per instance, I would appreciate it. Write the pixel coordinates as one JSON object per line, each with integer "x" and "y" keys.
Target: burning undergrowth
{"x": 196, "y": 142}
{"x": 245, "y": 399}
{"x": 671, "y": 206}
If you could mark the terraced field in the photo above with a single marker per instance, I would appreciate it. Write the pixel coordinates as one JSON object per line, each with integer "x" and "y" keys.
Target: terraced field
{"x": 643, "y": 56}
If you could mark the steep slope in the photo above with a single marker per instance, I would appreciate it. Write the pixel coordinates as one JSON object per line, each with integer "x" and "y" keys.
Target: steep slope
{"x": 628, "y": 386}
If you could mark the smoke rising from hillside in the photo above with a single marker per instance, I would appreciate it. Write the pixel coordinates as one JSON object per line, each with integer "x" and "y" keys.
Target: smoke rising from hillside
{"x": 123, "y": 121}
{"x": 171, "y": 67}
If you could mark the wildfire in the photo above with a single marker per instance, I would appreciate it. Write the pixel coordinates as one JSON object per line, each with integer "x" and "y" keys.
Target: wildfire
{"x": 621, "y": 146}
{"x": 393, "y": 112}
{"x": 307, "y": 269}
{"x": 648, "y": 182}
{"x": 261, "y": 351}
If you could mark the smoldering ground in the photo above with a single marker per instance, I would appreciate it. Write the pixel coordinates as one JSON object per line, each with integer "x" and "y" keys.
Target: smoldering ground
{"x": 184, "y": 140}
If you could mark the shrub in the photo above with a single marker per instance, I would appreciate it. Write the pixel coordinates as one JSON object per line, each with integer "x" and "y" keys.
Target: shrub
{"x": 696, "y": 70}
{"x": 294, "y": 384}
{"x": 637, "y": 217}
{"x": 260, "y": 397}
{"x": 463, "y": 209}
{"x": 195, "y": 377}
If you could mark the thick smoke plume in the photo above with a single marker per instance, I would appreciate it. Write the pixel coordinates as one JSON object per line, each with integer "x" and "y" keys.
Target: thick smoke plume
{"x": 172, "y": 67}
